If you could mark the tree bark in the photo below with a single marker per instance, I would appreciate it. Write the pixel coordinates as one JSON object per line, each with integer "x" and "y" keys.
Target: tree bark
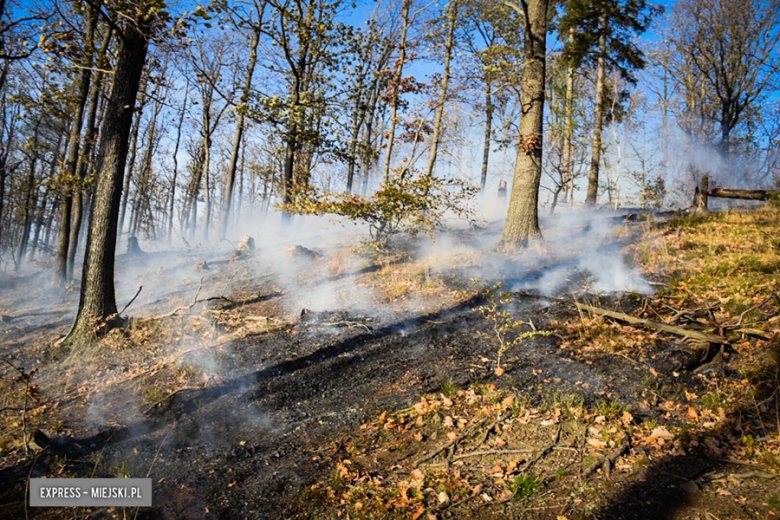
{"x": 522, "y": 222}
{"x": 97, "y": 300}
{"x": 86, "y": 152}
{"x": 598, "y": 119}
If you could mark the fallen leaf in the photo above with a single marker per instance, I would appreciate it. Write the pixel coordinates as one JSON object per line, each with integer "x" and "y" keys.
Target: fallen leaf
{"x": 596, "y": 443}
{"x": 662, "y": 433}
{"x": 443, "y": 497}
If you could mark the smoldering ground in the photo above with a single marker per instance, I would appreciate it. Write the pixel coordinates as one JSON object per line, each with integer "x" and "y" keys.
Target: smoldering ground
{"x": 248, "y": 381}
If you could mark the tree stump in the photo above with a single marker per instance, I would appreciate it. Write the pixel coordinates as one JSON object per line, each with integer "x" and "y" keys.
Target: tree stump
{"x": 133, "y": 249}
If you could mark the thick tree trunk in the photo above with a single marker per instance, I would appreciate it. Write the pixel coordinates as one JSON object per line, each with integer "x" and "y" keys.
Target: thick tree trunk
{"x": 598, "y": 121}
{"x": 97, "y": 301}
{"x": 396, "y": 85}
{"x": 522, "y": 222}
{"x": 235, "y": 154}
{"x": 445, "y": 81}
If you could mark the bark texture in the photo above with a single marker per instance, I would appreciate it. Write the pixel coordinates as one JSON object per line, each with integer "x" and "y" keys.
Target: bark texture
{"x": 97, "y": 300}
{"x": 522, "y": 221}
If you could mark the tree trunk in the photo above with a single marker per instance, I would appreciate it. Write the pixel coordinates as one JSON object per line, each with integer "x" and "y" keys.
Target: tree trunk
{"x": 97, "y": 301}
{"x": 131, "y": 164}
{"x": 396, "y": 85}
{"x": 30, "y": 202}
{"x": 176, "y": 163}
{"x": 598, "y": 120}
{"x": 522, "y": 222}
{"x": 445, "y": 81}
{"x": 206, "y": 165}
{"x": 235, "y": 154}
{"x": 488, "y": 134}
{"x": 69, "y": 172}
{"x": 568, "y": 177}
{"x": 86, "y": 152}
{"x": 358, "y": 118}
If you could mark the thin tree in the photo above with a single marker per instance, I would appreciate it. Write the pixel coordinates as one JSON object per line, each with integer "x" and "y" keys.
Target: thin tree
{"x": 603, "y": 32}
{"x": 451, "y": 14}
{"x": 241, "y": 110}
{"x": 395, "y": 85}
{"x": 68, "y": 173}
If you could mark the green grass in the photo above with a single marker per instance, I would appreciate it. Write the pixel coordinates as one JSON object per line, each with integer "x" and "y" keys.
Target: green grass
{"x": 449, "y": 389}
{"x": 524, "y": 486}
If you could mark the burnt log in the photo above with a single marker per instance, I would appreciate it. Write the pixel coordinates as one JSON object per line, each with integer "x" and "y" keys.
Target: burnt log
{"x": 728, "y": 193}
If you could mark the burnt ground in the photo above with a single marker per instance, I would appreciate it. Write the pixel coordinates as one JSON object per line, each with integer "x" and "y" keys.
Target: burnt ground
{"x": 243, "y": 444}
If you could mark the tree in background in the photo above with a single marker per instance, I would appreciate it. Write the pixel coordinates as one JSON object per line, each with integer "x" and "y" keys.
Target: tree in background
{"x": 728, "y": 50}
{"x": 493, "y": 37}
{"x": 601, "y": 32}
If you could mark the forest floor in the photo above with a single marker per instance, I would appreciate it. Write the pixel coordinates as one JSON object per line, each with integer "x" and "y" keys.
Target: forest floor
{"x": 294, "y": 383}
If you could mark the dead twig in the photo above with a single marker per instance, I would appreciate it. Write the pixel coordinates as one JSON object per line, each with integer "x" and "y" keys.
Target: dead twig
{"x": 131, "y": 301}
{"x": 449, "y": 444}
{"x": 610, "y": 459}
{"x": 545, "y": 451}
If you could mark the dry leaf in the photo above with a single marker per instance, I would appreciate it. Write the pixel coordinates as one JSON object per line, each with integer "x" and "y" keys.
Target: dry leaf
{"x": 662, "y": 433}
{"x": 596, "y": 443}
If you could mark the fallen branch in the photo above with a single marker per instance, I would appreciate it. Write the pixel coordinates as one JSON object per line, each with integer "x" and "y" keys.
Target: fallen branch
{"x": 544, "y": 452}
{"x": 482, "y": 453}
{"x": 449, "y": 444}
{"x": 610, "y": 459}
{"x": 672, "y": 329}
{"x": 728, "y": 193}
{"x": 131, "y": 301}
